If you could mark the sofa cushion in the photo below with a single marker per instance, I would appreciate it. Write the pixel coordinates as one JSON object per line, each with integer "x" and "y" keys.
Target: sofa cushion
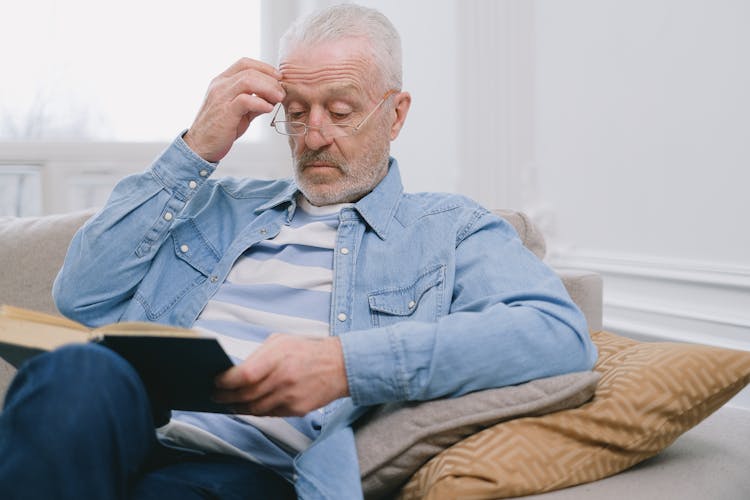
{"x": 586, "y": 290}
{"x": 32, "y": 250}
{"x": 398, "y": 438}
{"x": 648, "y": 395}
{"x": 528, "y": 232}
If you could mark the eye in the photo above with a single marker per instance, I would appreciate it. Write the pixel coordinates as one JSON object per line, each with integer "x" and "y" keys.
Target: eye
{"x": 340, "y": 116}
{"x": 295, "y": 116}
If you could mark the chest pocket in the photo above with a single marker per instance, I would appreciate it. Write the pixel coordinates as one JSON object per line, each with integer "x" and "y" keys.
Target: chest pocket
{"x": 182, "y": 264}
{"x": 420, "y": 299}
{"x": 191, "y": 247}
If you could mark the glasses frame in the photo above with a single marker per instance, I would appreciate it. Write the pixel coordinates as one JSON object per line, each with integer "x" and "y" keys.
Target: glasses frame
{"x": 355, "y": 128}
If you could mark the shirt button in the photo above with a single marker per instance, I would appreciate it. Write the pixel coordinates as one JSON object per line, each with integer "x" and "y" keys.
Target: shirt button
{"x": 345, "y": 251}
{"x": 184, "y": 248}
{"x": 214, "y": 279}
{"x": 411, "y": 304}
{"x": 168, "y": 216}
{"x": 341, "y": 317}
{"x": 192, "y": 184}
{"x": 203, "y": 173}
{"x": 264, "y": 231}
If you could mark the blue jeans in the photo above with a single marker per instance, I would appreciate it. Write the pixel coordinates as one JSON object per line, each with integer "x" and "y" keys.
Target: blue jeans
{"x": 78, "y": 424}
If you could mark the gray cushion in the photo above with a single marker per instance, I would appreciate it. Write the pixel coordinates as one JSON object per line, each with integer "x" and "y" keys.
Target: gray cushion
{"x": 395, "y": 440}
{"x": 32, "y": 250}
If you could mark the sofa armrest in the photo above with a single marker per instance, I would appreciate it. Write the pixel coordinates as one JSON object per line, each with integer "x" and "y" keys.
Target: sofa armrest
{"x": 585, "y": 288}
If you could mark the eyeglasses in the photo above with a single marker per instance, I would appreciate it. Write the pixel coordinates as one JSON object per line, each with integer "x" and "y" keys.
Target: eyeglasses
{"x": 328, "y": 130}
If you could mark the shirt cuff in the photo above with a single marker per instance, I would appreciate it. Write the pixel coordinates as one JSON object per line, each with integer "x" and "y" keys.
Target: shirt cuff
{"x": 181, "y": 170}
{"x": 374, "y": 366}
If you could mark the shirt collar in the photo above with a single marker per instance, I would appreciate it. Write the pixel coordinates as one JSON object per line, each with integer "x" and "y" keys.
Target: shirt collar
{"x": 379, "y": 206}
{"x": 376, "y": 208}
{"x": 288, "y": 195}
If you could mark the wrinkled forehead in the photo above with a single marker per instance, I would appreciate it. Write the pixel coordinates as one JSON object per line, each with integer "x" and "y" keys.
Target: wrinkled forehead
{"x": 340, "y": 66}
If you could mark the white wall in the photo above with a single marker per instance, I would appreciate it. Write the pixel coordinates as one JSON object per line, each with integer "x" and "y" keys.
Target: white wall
{"x": 646, "y": 103}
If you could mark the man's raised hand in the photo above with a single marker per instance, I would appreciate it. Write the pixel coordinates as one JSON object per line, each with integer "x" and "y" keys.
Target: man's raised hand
{"x": 237, "y": 96}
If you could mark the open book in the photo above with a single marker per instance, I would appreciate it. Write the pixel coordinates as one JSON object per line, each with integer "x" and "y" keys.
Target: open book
{"x": 177, "y": 365}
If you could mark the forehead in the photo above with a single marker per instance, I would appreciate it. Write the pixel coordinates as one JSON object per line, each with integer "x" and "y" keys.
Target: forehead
{"x": 340, "y": 67}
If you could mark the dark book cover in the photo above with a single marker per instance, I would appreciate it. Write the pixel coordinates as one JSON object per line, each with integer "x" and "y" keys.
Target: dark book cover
{"x": 177, "y": 372}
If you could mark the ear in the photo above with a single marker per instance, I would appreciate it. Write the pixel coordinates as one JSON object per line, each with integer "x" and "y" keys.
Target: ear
{"x": 402, "y": 102}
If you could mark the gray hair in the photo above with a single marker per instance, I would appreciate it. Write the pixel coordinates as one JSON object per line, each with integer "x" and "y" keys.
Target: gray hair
{"x": 345, "y": 21}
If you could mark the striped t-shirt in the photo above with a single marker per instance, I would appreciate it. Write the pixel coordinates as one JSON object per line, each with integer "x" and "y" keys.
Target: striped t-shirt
{"x": 279, "y": 285}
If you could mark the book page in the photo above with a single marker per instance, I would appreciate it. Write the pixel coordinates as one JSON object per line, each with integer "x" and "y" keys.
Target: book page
{"x": 38, "y": 335}
{"x": 145, "y": 329}
{"x": 28, "y": 328}
{"x": 19, "y": 313}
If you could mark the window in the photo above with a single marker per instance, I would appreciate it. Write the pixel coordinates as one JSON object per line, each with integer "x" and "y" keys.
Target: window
{"x": 92, "y": 91}
{"x": 20, "y": 190}
{"x": 116, "y": 71}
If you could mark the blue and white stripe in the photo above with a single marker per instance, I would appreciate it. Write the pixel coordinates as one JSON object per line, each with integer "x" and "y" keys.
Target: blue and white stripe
{"x": 279, "y": 285}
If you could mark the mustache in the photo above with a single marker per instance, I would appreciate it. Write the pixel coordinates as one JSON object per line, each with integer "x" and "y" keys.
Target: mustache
{"x": 321, "y": 156}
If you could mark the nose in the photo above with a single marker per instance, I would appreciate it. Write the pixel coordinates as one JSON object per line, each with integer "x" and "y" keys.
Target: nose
{"x": 315, "y": 139}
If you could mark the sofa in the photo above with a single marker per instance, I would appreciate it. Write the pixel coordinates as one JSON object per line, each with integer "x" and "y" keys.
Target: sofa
{"x": 679, "y": 440}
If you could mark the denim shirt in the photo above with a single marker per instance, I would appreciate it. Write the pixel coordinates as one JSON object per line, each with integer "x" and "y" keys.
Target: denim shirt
{"x": 433, "y": 295}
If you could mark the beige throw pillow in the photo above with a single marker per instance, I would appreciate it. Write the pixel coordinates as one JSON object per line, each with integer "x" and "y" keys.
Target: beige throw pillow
{"x": 648, "y": 395}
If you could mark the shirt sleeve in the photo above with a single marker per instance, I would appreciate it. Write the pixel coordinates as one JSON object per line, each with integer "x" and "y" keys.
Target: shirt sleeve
{"x": 109, "y": 256}
{"x": 510, "y": 321}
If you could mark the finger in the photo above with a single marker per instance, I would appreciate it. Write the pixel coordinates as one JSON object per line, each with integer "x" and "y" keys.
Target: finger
{"x": 248, "y": 63}
{"x": 236, "y": 377}
{"x": 272, "y": 405}
{"x": 246, "y": 104}
{"x": 249, "y": 409}
{"x": 253, "y": 82}
{"x": 246, "y": 393}
{"x": 232, "y": 397}
{"x": 269, "y": 406}
{"x": 252, "y": 371}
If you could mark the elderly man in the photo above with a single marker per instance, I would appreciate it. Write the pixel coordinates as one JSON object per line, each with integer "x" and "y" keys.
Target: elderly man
{"x": 334, "y": 292}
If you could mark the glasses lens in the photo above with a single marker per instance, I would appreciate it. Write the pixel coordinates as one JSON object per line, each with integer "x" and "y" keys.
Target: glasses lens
{"x": 330, "y": 130}
{"x": 334, "y": 130}
{"x": 290, "y": 128}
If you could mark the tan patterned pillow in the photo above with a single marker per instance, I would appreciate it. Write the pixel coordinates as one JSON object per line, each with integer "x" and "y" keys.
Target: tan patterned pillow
{"x": 648, "y": 395}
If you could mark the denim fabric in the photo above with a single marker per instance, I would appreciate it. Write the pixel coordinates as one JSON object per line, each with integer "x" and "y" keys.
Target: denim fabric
{"x": 434, "y": 296}
{"x": 54, "y": 433}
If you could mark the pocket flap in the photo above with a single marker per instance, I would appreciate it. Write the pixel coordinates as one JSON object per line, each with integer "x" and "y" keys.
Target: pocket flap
{"x": 403, "y": 301}
{"x": 191, "y": 247}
